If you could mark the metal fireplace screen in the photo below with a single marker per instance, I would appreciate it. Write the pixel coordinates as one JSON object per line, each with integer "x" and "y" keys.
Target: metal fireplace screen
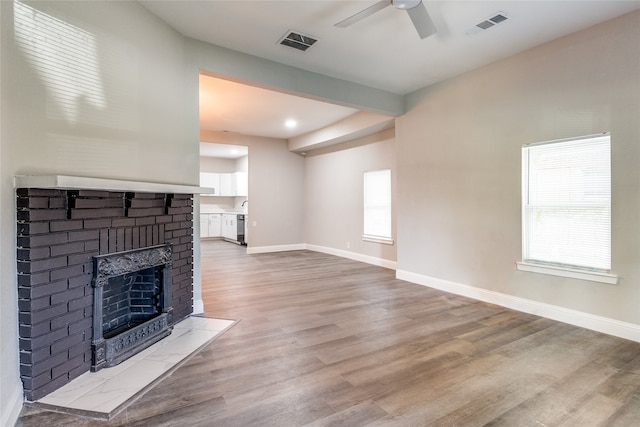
{"x": 131, "y": 303}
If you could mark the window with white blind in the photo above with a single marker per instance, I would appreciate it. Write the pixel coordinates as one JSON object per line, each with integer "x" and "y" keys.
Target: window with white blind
{"x": 377, "y": 206}
{"x": 566, "y": 195}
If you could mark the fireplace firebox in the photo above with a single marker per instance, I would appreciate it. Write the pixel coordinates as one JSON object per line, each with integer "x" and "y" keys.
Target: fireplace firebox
{"x": 131, "y": 303}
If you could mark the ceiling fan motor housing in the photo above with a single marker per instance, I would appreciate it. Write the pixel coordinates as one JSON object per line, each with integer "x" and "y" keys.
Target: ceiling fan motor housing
{"x": 405, "y": 4}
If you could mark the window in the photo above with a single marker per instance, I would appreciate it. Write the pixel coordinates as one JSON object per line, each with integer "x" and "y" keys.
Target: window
{"x": 377, "y": 206}
{"x": 566, "y": 199}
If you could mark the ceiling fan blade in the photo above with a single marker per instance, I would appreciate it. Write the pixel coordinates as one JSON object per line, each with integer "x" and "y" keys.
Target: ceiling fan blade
{"x": 422, "y": 21}
{"x": 363, "y": 14}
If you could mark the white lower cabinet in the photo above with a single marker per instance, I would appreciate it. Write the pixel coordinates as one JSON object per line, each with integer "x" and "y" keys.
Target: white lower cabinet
{"x": 215, "y": 225}
{"x": 204, "y": 225}
{"x": 230, "y": 226}
{"x": 210, "y": 225}
{"x": 219, "y": 225}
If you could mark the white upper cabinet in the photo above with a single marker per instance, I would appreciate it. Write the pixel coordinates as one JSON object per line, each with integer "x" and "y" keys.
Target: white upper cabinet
{"x": 226, "y": 184}
{"x": 242, "y": 184}
{"x": 210, "y": 180}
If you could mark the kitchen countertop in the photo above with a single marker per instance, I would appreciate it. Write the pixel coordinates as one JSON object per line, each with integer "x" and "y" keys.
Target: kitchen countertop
{"x": 223, "y": 212}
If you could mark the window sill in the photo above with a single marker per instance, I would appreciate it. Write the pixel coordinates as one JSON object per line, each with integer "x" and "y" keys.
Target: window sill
{"x": 592, "y": 276}
{"x": 373, "y": 239}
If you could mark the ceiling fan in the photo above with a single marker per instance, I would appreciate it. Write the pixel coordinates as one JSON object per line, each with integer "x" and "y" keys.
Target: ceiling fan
{"x": 416, "y": 10}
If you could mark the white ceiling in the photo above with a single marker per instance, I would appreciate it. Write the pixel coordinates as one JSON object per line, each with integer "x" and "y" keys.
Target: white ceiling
{"x": 381, "y": 51}
{"x": 236, "y": 107}
{"x": 225, "y": 151}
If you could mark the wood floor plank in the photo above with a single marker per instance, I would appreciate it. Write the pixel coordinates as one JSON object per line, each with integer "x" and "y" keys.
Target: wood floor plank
{"x": 499, "y": 397}
{"x": 360, "y": 414}
{"x": 627, "y": 415}
{"x": 554, "y": 405}
{"x": 327, "y": 341}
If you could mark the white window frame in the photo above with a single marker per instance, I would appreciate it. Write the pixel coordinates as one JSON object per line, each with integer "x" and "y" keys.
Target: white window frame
{"x": 377, "y": 214}
{"x": 601, "y": 273}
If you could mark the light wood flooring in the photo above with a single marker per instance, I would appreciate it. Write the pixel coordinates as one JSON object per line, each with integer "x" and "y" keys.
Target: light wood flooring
{"x": 329, "y": 341}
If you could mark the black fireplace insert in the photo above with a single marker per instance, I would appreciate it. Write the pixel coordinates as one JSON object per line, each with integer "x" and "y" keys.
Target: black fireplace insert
{"x": 132, "y": 303}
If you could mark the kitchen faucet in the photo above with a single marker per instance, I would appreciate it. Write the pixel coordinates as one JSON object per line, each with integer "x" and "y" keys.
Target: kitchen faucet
{"x": 246, "y": 201}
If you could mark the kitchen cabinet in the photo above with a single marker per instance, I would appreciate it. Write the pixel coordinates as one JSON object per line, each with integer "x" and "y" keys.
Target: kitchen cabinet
{"x": 226, "y": 184}
{"x": 204, "y": 225}
{"x": 215, "y": 223}
{"x": 229, "y": 227}
{"x": 210, "y": 225}
{"x": 242, "y": 184}
{"x": 210, "y": 180}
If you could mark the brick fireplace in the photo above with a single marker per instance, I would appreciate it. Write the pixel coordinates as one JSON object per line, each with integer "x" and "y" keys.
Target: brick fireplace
{"x": 61, "y": 233}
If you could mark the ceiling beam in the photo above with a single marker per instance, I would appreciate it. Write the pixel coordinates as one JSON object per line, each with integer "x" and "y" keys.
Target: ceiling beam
{"x": 356, "y": 126}
{"x": 236, "y": 66}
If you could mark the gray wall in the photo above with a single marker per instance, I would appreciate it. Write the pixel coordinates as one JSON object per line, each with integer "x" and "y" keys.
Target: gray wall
{"x": 217, "y": 165}
{"x": 458, "y": 155}
{"x": 10, "y": 386}
{"x": 133, "y": 126}
{"x": 334, "y": 195}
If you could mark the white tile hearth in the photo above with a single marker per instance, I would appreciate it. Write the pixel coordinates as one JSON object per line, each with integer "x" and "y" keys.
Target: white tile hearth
{"x": 105, "y": 393}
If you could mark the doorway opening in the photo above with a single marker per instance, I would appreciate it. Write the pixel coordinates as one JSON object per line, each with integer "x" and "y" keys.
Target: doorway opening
{"x": 224, "y": 168}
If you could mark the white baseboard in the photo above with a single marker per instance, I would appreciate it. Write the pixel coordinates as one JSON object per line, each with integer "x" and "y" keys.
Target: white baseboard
{"x": 354, "y": 256}
{"x": 198, "y": 306}
{"x": 602, "y": 324}
{"x": 331, "y": 251}
{"x": 278, "y": 248}
{"x": 11, "y": 410}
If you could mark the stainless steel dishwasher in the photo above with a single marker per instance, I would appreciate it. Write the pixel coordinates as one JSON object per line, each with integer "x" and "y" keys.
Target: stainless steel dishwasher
{"x": 240, "y": 228}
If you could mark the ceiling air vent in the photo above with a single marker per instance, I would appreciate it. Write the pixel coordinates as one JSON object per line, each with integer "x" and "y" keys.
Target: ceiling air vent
{"x": 297, "y": 40}
{"x": 488, "y": 23}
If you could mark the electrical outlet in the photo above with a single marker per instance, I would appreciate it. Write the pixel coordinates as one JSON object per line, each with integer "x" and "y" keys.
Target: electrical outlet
{"x": 255, "y": 223}
{"x": 348, "y": 245}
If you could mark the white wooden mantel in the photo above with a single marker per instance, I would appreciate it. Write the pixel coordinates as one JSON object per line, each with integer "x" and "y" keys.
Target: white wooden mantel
{"x": 66, "y": 182}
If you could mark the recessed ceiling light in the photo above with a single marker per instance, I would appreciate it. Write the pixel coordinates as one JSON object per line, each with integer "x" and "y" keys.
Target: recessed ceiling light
{"x": 234, "y": 151}
{"x": 290, "y": 123}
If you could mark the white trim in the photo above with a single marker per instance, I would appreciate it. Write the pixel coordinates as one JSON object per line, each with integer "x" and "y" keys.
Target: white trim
{"x": 13, "y": 407}
{"x": 63, "y": 182}
{"x": 327, "y": 250}
{"x": 354, "y": 256}
{"x": 198, "y": 304}
{"x": 278, "y": 248}
{"x": 575, "y": 138}
{"x": 630, "y": 331}
{"x": 374, "y": 239}
{"x": 198, "y": 307}
{"x": 592, "y": 276}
